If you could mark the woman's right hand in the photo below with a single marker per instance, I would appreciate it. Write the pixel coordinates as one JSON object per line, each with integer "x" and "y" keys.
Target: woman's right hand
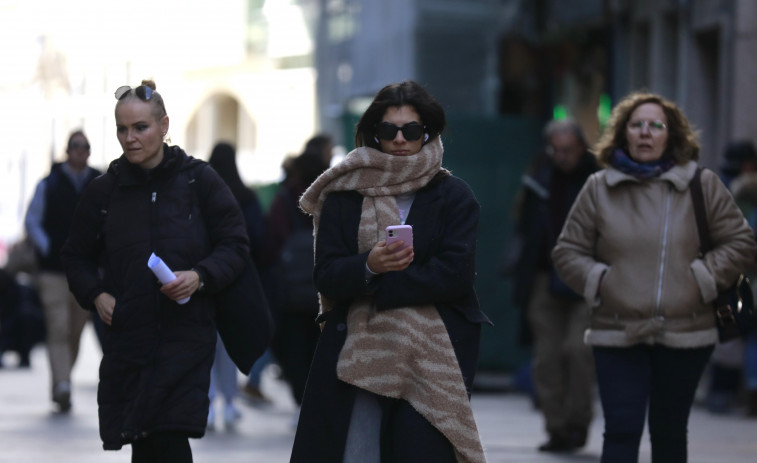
{"x": 105, "y": 303}
{"x": 392, "y": 258}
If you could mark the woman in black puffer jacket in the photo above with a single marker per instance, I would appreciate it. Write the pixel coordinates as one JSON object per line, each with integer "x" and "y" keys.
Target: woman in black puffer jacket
{"x": 157, "y": 354}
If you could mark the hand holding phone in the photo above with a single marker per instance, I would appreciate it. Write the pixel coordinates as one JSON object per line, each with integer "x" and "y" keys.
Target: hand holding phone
{"x": 396, "y": 233}
{"x": 381, "y": 260}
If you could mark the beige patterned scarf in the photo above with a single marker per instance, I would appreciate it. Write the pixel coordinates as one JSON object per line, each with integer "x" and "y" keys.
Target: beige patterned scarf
{"x": 403, "y": 353}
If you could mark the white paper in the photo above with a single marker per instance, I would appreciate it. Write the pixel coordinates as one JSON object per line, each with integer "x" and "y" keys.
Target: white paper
{"x": 164, "y": 274}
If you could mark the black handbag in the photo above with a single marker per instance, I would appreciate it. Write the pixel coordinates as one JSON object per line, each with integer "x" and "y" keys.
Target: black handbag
{"x": 735, "y": 315}
{"x": 243, "y": 318}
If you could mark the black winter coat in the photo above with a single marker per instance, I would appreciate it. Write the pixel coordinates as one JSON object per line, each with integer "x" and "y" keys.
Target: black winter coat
{"x": 444, "y": 216}
{"x": 157, "y": 354}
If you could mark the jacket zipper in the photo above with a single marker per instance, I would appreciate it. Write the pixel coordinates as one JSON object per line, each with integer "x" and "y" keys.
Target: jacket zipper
{"x": 154, "y": 241}
{"x": 658, "y": 313}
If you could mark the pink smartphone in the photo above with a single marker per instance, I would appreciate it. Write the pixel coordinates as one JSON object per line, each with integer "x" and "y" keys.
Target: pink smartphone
{"x": 400, "y": 232}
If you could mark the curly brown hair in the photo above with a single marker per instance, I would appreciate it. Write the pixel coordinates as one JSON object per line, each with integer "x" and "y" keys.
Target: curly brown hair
{"x": 683, "y": 143}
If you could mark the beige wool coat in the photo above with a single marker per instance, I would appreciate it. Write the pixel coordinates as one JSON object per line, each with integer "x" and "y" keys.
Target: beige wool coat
{"x": 631, "y": 248}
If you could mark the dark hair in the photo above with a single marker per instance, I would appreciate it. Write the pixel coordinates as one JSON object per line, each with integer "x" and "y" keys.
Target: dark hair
{"x": 683, "y": 145}
{"x": 223, "y": 160}
{"x": 307, "y": 167}
{"x": 156, "y": 101}
{"x": 74, "y": 134}
{"x": 318, "y": 144}
{"x": 407, "y": 93}
{"x": 736, "y": 154}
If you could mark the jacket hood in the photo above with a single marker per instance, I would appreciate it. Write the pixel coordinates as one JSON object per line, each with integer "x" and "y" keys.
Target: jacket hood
{"x": 679, "y": 176}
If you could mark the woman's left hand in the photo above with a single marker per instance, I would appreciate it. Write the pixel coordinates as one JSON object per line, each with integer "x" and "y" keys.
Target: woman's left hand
{"x": 389, "y": 258}
{"x": 185, "y": 284}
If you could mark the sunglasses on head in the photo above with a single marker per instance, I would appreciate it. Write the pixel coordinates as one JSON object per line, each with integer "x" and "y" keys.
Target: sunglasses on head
{"x": 143, "y": 92}
{"x": 411, "y": 131}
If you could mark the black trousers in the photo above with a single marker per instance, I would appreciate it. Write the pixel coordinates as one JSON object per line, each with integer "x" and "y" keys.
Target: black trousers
{"x": 406, "y": 436}
{"x": 162, "y": 448}
{"x": 294, "y": 346}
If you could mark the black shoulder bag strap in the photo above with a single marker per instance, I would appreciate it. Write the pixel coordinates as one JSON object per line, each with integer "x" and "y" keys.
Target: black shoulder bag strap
{"x": 697, "y": 197}
{"x": 723, "y": 311}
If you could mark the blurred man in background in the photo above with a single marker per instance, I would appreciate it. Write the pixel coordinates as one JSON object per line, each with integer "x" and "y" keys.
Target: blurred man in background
{"x": 48, "y": 220}
{"x": 563, "y": 368}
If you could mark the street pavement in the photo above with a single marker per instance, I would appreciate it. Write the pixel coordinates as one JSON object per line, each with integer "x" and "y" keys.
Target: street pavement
{"x": 510, "y": 428}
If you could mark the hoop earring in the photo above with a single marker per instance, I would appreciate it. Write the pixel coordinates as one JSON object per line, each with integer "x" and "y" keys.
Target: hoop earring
{"x": 375, "y": 138}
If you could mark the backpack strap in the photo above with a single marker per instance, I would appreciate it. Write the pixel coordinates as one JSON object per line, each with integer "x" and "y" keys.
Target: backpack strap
{"x": 103, "y": 202}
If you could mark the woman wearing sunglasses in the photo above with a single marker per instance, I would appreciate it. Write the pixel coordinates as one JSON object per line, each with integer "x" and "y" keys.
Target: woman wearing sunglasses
{"x": 157, "y": 353}
{"x": 630, "y": 245}
{"x": 400, "y": 323}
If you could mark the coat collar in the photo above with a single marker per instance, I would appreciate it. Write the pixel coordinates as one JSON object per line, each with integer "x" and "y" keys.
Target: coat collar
{"x": 424, "y": 198}
{"x": 679, "y": 176}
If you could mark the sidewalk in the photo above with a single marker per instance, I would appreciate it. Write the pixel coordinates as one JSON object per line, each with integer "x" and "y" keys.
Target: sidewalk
{"x": 510, "y": 429}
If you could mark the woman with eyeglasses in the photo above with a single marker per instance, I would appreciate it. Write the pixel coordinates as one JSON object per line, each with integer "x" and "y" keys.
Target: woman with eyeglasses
{"x": 157, "y": 351}
{"x": 630, "y": 245}
{"x": 395, "y": 361}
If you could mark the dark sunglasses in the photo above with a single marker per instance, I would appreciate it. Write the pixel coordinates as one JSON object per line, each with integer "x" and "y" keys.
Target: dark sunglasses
{"x": 143, "y": 92}
{"x": 411, "y": 131}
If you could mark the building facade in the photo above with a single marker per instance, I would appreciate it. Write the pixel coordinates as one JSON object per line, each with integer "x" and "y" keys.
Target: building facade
{"x": 517, "y": 57}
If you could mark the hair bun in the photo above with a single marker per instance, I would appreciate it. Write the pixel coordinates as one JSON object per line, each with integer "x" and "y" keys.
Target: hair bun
{"x": 149, "y": 83}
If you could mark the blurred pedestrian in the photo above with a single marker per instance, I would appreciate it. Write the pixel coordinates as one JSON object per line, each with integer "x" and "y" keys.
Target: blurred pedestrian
{"x": 47, "y": 222}
{"x": 739, "y": 157}
{"x": 563, "y": 368}
{"x": 726, "y": 367}
{"x": 22, "y": 323}
{"x": 395, "y": 362}
{"x": 744, "y": 189}
{"x": 157, "y": 353}
{"x": 321, "y": 144}
{"x": 630, "y": 246}
{"x": 287, "y": 266}
{"x": 223, "y": 374}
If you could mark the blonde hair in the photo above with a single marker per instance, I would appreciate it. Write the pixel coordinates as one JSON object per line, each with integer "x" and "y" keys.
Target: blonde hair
{"x": 683, "y": 143}
{"x": 155, "y": 101}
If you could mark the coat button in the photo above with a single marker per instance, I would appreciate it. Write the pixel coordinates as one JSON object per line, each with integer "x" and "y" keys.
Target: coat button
{"x": 341, "y": 327}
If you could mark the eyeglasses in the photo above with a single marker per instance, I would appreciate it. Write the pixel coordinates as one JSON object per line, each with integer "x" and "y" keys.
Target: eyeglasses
{"x": 79, "y": 146}
{"x": 411, "y": 131}
{"x": 143, "y": 92}
{"x": 655, "y": 127}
